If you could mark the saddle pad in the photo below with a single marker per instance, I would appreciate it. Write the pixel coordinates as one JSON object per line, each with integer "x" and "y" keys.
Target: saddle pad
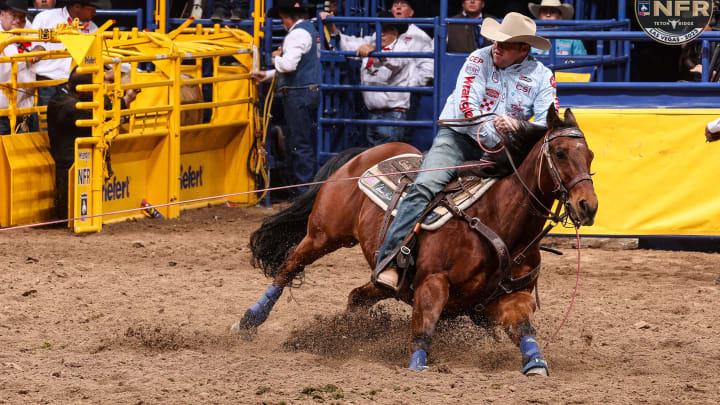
{"x": 379, "y": 187}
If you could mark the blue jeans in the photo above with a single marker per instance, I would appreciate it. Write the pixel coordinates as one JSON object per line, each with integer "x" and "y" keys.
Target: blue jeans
{"x": 449, "y": 148}
{"x": 45, "y": 94}
{"x": 300, "y": 107}
{"x": 378, "y": 135}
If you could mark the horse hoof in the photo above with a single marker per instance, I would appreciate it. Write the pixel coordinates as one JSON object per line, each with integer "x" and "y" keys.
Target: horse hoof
{"x": 249, "y": 321}
{"x": 541, "y": 371}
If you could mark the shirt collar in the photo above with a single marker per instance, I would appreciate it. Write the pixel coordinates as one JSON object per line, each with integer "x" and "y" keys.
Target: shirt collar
{"x": 296, "y": 23}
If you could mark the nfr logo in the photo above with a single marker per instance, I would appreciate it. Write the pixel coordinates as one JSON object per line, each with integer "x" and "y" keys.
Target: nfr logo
{"x": 83, "y": 178}
{"x": 190, "y": 178}
{"x": 673, "y": 22}
{"x": 116, "y": 190}
{"x": 678, "y": 8}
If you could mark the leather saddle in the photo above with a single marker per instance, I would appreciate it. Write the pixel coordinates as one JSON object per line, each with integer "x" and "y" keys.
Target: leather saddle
{"x": 380, "y": 182}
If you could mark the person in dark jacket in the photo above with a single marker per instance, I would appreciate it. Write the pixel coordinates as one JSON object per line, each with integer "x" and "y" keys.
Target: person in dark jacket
{"x": 297, "y": 66}
{"x": 62, "y": 114}
{"x": 465, "y": 38}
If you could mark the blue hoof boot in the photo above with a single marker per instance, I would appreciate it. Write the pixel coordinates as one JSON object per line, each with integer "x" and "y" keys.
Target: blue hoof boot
{"x": 533, "y": 362}
{"x": 418, "y": 361}
{"x": 259, "y": 312}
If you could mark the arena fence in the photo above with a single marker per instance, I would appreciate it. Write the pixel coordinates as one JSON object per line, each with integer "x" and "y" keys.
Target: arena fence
{"x": 161, "y": 149}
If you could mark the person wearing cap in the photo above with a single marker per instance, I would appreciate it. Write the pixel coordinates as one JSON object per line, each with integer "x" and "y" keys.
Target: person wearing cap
{"x": 555, "y": 10}
{"x": 465, "y": 38}
{"x": 416, "y": 40}
{"x": 297, "y": 66}
{"x": 374, "y": 71}
{"x": 13, "y": 15}
{"x": 59, "y": 69}
{"x": 502, "y": 81}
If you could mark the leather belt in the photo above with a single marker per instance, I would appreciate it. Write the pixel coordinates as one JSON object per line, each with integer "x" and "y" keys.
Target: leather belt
{"x": 387, "y": 110}
{"x": 287, "y": 89}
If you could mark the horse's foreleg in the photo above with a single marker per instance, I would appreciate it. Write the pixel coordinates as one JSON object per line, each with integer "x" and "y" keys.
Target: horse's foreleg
{"x": 307, "y": 251}
{"x": 428, "y": 303}
{"x": 513, "y": 312}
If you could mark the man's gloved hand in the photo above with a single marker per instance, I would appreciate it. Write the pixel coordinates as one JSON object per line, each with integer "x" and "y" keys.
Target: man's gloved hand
{"x": 711, "y": 136}
{"x": 712, "y": 130}
{"x": 506, "y": 124}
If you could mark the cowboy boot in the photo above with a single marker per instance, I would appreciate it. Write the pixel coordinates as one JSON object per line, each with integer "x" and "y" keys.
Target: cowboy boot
{"x": 388, "y": 278}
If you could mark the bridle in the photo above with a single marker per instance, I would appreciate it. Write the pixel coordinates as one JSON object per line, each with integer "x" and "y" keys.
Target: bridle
{"x": 561, "y": 188}
{"x": 554, "y": 173}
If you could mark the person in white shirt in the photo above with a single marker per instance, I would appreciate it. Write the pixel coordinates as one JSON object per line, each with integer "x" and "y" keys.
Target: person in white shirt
{"x": 416, "y": 40}
{"x": 59, "y": 69}
{"x": 382, "y": 105}
{"x": 14, "y": 16}
{"x": 297, "y": 65}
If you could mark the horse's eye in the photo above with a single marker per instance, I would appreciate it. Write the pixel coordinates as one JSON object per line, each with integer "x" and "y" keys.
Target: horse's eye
{"x": 561, "y": 154}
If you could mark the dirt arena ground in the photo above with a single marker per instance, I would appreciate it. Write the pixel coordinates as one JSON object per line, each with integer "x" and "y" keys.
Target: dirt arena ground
{"x": 140, "y": 313}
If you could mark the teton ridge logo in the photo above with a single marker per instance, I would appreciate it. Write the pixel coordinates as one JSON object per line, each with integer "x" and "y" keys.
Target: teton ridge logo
{"x": 673, "y": 22}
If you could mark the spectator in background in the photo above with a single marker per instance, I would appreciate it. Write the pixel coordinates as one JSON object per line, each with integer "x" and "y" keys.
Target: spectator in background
{"x": 555, "y": 10}
{"x": 235, "y": 10}
{"x": 416, "y": 40}
{"x": 62, "y": 114}
{"x": 465, "y": 38}
{"x": 297, "y": 64}
{"x": 392, "y": 106}
{"x": 59, "y": 69}
{"x": 14, "y": 16}
{"x": 44, "y": 3}
{"x": 690, "y": 64}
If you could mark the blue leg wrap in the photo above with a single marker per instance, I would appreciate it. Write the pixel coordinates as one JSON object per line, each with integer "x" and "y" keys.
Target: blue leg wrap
{"x": 531, "y": 356}
{"x": 418, "y": 360}
{"x": 259, "y": 312}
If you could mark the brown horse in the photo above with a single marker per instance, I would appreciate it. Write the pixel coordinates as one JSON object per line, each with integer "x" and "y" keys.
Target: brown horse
{"x": 456, "y": 269}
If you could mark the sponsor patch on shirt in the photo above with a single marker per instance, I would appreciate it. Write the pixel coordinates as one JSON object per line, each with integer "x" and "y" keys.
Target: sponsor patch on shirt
{"x": 525, "y": 79}
{"x": 465, "y": 96}
{"x": 523, "y": 88}
{"x": 552, "y": 81}
{"x": 492, "y": 93}
{"x": 475, "y": 59}
{"x": 495, "y": 76}
{"x": 472, "y": 69}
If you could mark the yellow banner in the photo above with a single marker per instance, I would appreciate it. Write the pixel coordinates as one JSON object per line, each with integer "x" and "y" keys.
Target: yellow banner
{"x": 655, "y": 174}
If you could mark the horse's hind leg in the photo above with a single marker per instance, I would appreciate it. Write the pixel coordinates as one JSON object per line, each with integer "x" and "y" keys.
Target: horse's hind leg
{"x": 513, "y": 312}
{"x": 307, "y": 251}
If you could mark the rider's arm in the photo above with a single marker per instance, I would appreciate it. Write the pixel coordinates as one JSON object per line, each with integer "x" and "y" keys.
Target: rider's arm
{"x": 465, "y": 101}
{"x": 547, "y": 95}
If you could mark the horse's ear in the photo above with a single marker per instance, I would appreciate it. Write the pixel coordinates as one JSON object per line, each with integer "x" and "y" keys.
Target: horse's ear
{"x": 553, "y": 119}
{"x": 570, "y": 118}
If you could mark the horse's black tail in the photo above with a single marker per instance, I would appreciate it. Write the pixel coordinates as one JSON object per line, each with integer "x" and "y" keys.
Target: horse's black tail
{"x": 280, "y": 233}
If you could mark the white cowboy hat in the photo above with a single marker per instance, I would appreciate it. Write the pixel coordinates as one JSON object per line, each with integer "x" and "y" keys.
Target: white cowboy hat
{"x": 566, "y": 10}
{"x": 515, "y": 27}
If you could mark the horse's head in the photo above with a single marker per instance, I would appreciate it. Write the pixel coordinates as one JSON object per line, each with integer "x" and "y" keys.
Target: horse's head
{"x": 567, "y": 160}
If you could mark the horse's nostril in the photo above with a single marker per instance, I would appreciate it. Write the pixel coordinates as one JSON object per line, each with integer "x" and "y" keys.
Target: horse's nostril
{"x": 584, "y": 206}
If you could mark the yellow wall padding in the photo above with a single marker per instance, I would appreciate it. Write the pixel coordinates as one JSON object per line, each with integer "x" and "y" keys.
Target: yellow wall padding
{"x": 655, "y": 174}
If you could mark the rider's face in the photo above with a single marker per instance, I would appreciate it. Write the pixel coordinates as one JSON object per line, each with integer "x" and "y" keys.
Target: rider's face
{"x": 506, "y": 54}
